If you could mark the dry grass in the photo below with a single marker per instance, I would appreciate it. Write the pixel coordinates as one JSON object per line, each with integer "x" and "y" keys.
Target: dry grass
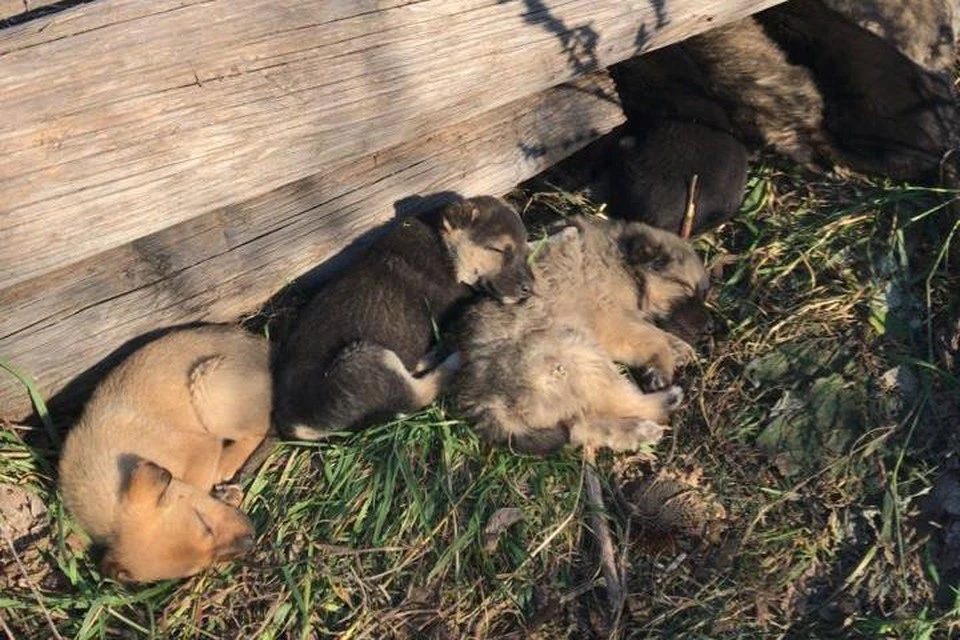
{"x": 791, "y": 491}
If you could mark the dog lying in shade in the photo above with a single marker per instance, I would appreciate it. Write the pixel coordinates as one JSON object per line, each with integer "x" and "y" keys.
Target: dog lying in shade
{"x": 542, "y": 374}
{"x": 862, "y": 84}
{"x": 362, "y": 349}
{"x": 142, "y": 470}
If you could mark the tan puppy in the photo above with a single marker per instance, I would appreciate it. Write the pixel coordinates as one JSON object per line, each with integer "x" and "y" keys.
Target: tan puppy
{"x": 539, "y": 375}
{"x": 163, "y": 429}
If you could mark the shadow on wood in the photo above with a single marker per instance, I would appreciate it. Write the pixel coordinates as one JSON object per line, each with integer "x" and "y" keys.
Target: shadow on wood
{"x": 273, "y": 319}
{"x": 224, "y": 264}
{"x": 201, "y": 154}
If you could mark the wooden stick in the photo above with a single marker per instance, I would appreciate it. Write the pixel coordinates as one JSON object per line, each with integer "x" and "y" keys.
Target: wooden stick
{"x": 691, "y": 211}
{"x": 608, "y": 558}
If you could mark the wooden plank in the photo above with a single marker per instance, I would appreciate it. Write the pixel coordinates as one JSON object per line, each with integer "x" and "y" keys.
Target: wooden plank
{"x": 21, "y": 10}
{"x": 122, "y": 117}
{"x": 227, "y": 262}
{"x": 10, "y": 8}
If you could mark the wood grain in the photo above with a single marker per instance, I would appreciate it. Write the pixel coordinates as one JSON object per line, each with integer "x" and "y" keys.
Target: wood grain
{"x": 227, "y": 262}
{"x": 121, "y": 118}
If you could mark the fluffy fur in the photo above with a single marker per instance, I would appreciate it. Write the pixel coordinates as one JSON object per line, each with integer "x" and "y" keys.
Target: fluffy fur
{"x": 160, "y": 433}
{"x": 862, "y": 84}
{"x": 539, "y": 375}
{"x": 883, "y": 113}
{"x": 359, "y": 351}
{"x": 771, "y": 101}
{"x": 675, "y": 129}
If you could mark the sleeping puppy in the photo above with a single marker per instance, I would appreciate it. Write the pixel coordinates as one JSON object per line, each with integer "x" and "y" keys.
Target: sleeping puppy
{"x": 865, "y": 84}
{"x": 141, "y": 470}
{"x": 884, "y": 113}
{"x": 540, "y": 375}
{"x": 359, "y": 351}
{"x": 675, "y": 129}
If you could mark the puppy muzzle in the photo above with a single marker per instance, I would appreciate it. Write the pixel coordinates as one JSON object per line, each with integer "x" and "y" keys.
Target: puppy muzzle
{"x": 237, "y": 547}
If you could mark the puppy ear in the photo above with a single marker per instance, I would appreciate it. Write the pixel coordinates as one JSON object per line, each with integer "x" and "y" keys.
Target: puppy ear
{"x": 112, "y": 568}
{"x": 459, "y": 215}
{"x": 639, "y": 250}
{"x": 147, "y": 481}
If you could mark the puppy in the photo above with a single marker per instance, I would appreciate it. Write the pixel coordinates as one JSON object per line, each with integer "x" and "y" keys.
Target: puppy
{"x": 359, "y": 352}
{"x": 539, "y": 375}
{"x": 675, "y": 129}
{"x": 864, "y": 84}
{"x": 163, "y": 429}
{"x": 884, "y": 113}
{"x": 923, "y": 30}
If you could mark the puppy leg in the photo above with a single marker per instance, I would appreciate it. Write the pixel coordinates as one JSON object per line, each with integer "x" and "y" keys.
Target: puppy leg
{"x": 217, "y": 462}
{"x": 621, "y": 398}
{"x": 426, "y": 387}
{"x": 621, "y": 417}
{"x": 233, "y": 456}
{"x": 623, "y": 434}
{"x": 640, "y": 344}
{"x": 231, "y": 396}
{"x": 428, "y": 362}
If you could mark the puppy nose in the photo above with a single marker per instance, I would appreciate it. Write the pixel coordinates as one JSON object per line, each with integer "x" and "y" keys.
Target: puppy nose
{"x": 243, "y": 543}
{"x": 709, "y": 325}
{"x": 526, "y": 290}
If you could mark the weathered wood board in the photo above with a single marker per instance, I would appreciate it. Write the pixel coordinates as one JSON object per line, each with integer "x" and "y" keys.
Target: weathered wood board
{"x": 127, "y": 116}
{"x": 177, "y": 160}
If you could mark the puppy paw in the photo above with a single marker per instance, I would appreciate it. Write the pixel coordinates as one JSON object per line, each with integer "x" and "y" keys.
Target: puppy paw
{"x": 673, "y": 397}
{"x": 228, "y": 492}
{"x": 618, "y": 434}
{"x": 647, "y": 432}
{"x": 653, "y": 379}
{"x": 635, "y": 434}
{"x": 683, "y": 353}
{"x": 304, "y": 432}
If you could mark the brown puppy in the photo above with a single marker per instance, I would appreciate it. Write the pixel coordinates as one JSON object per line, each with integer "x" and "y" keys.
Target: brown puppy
{"x": 540, "y": 375}
{"x": 163, "y": 429}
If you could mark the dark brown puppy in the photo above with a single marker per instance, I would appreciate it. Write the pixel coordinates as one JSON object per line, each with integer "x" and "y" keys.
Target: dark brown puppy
{"x": 676, "y": 129}
{"x": 883, "y": 112}
{"x": 540, "y": 375}
{"x": 359, "y": 351}
{"x": 860, "y": 84}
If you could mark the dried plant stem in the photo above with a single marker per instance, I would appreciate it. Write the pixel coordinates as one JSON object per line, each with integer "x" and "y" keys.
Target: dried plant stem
{"x": 608, "y": 557}
{"x": 691, "y": 211}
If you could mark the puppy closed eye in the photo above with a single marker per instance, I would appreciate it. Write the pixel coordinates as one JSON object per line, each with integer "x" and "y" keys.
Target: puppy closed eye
{"x": 506, "y": 252}
{"x": 207, "y": 529}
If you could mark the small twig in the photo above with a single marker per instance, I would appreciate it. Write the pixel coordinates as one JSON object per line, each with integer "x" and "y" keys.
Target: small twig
{"x": 608, "y": 557}
{"x": 691, "y": 211}
{"x": 33, "y": 587}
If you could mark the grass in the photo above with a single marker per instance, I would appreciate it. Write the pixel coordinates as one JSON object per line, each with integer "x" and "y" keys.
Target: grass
{"x": 826, "y": 289}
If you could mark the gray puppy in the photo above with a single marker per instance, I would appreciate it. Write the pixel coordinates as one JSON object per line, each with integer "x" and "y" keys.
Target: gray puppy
{"x": 542, "y": 374}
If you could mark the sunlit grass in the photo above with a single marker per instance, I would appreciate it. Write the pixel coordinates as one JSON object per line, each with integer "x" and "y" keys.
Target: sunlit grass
{"x": 383, "y": 534}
